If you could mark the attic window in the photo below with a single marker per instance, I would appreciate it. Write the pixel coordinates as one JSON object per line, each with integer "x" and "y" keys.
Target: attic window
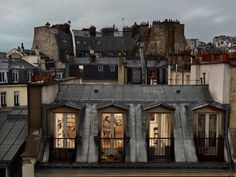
{"x": 100, "y": 68}
{"x": 178, "y": 91}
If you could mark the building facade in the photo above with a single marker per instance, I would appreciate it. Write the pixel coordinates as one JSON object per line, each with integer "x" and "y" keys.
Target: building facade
{"x": 111, "y": 130}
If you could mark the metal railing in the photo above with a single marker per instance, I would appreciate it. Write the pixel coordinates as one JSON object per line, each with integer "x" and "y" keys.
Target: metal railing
{"x": 210, "y": 149}
{"x": 62, "y": 149}
{"x": 112, "y": 150}
{"x": 160, "y": 148}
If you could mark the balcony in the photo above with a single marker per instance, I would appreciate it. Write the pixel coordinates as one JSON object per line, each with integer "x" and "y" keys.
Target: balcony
{"x": 161, "y": 149}
{"x": 112, "y": 150}
{"x": 62, "y": 149}
{"x": 210, "y": 149}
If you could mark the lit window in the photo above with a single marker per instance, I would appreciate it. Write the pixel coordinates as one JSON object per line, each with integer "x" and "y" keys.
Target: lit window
{"x": 65, "y": 130}
{"x": 112, "y": 68}
{"x": 112, "y": 137}
{"x": 15, "y": 76}
{"x": 16, "y": 98}
{"x": 160, "y": 139}
{"x": 2, "y": 77}
{"x": 100, "y": 68}
{"x": 3, "y": 98}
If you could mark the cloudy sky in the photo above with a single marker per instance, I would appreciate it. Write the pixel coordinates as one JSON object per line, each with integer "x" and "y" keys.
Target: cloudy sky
{"x": 203, "y": 19}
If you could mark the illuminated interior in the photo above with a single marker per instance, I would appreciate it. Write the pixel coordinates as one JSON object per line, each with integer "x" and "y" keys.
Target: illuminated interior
{"x": 159, "y": 133}
{"x": 65, "y": 130}
{"x": 160, "y": 125}
{"x": 112, "y": 133}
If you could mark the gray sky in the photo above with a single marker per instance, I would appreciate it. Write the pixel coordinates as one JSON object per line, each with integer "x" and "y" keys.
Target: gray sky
{"x": 203, "y": 19}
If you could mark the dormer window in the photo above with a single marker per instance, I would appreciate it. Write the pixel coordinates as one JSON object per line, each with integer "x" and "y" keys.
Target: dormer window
{"x": 65, "y": 130}
{"x": 100, "y": 68}
{"x": 160, "y": 133}
{"x": 2, "y": 77}
{"x": 29, "y": 76}
{"x": 112, "y": 68}
{"x": 160, "y": 138}
{"x": 112, "y": 134}
{"x": 208, "y": 134}
{"x": 15, "y": 76}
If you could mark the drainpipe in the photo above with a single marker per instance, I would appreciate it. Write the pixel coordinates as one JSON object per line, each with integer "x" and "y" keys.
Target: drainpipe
{"x": 143, "y": 65}
{"x": 204, "y": 78}
{"x": 73, "y": 41}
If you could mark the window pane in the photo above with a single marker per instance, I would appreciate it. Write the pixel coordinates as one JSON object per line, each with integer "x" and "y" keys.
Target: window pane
{"x": 201, "y": 125}
{"x": 118, "y": 126}
{"x": 59, "y": 127}
{"x": 106, "y": 126}
{"x": 71, "y": 131}
{"x": 212, "y": 126}
{"x": 160, "y": 126}
{"x": 153, "y": 130}
{"x": 165, "y": 125}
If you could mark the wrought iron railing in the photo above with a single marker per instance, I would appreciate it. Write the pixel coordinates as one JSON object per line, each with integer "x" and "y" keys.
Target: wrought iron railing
{"x": 62, "y": 149}
{"x": 112, "y": 150}
{"x": 160, "y": 149}
{"x": 210, "y": 149}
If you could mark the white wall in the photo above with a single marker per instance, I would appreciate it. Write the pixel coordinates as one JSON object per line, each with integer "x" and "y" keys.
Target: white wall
{"x": 217, "y": 77}
{"x": 34, "y": 59}
{"x": 9, "y": 89}
{"x": 175, "y": 78}
{"x": 49, "y": 93}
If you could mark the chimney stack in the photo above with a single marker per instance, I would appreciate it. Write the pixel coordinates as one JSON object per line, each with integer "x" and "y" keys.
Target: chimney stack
{"x": 92, "y": 31}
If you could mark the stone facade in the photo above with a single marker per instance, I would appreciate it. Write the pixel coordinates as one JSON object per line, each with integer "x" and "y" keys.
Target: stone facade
{"x": 45, "y": 41}
{"x": 166, "y": 38}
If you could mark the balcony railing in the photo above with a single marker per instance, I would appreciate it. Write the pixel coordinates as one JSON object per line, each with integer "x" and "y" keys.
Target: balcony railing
{"x": 210, "y": 149}
{"x": 112, "y": 150}
{"x": 62, "y": 149}
{"x": 160, "y": 149}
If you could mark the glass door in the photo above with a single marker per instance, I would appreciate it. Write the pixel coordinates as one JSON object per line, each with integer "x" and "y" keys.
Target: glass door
{"x": 159, "y": 134}
{"x": 65, "y": 130}
{"x": 112, "y": 137}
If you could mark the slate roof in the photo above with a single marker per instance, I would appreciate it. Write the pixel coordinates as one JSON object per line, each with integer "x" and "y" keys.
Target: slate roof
{"x": 64, "y": 41}
{"x": 183, "y": 99}
{"x": 103, "y": 60}
{"x": 13, "y": 132}
{"x": 106, "y": 43}
{"x": 134, "y": 93}
{"x": 15, "y": 64}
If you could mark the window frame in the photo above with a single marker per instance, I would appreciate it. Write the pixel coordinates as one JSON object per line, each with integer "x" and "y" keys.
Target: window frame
{"x": 29, "y": 76}
{"x": 3, "y": 96}
{"x": 112, "y": 110}
{"x": 160, "y": 148}
{"x": 16, "y": 98}
{"x": 100, "y": 68}
{"x": 64, "y": 117}
{"x": 170, "y": 121}
{"x": 112, "y": 68}
{"x": 15, "y": 76}
{"x": 219, "y": 123}
{"x": 2, "y": 77}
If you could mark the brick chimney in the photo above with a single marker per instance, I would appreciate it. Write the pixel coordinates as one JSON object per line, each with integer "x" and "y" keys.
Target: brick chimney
{"x": 92, "y": 31}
